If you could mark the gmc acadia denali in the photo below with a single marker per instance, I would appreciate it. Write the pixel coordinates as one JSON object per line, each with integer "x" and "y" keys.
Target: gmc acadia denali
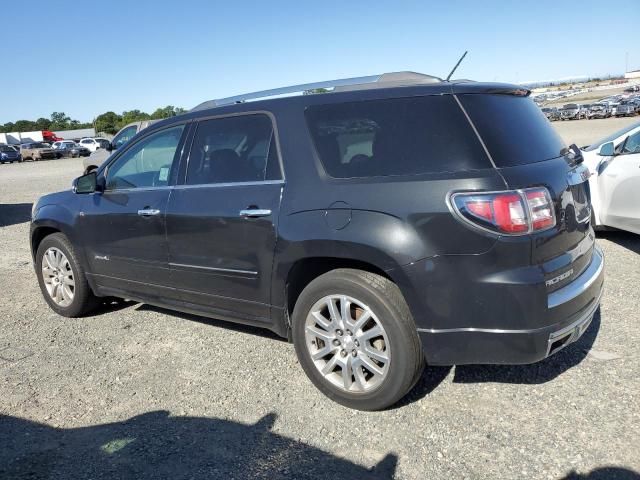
{"x": 394, "y": 220}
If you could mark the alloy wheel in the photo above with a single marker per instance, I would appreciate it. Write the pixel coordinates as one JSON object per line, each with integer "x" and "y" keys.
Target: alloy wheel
{"x": 58, "y": 277}
{"x": 347, "y": 343}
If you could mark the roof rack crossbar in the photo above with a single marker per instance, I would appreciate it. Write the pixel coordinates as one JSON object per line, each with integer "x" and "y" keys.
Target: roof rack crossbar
{"x": 288, "y": 90}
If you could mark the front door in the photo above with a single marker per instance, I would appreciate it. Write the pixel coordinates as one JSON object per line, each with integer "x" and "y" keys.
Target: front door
{"x": 619, "y": 185}
{"x": 124, "y": 226}
{"x": 221, "y": 222}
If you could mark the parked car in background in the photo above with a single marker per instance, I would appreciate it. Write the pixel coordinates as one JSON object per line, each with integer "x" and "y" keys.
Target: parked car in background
{"x": 93, "y": 144}
{"x": 614, "y": 163}
{"x": 599, "y": 110}
{"x": 72, "y": 149}
{"x": 417, "y": 222}
{"x": 626, "y": 108}
{"x": 9, "y": 155}
{"x": 125, "y": 134}
{"x": 37, "y": 151}
{"x": 551, "y": 113}
{"x": 571, "y": 111}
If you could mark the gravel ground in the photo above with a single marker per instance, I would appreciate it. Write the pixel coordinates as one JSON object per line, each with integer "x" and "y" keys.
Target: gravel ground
{"x": 585, "y": 132}
{"x": 139, "y": 392}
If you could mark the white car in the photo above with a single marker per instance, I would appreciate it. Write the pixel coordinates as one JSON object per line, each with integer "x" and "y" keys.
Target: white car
{"x": 614, "y": 163}
{"x": 94, "y": 144}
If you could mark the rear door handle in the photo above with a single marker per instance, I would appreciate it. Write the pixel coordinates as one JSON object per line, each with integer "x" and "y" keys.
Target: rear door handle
{"x": 254, "y": 213}
{"x": 148, "y": 212}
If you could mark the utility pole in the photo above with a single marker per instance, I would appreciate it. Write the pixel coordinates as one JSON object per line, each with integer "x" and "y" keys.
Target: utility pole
{"x": 626, "y": 62}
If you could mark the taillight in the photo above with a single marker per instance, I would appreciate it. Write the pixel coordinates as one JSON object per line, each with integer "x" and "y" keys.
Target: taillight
{"x": 513, "y": 212}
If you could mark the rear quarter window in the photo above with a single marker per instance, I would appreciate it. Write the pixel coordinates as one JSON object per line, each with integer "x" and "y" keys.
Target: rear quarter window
{"x": 400, "y": 136}
{"x": 513, "y": 129}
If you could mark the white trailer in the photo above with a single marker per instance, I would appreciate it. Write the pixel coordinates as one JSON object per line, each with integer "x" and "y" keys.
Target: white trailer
{"x": 12, "y": 138}
{"x": 35, "y": 136}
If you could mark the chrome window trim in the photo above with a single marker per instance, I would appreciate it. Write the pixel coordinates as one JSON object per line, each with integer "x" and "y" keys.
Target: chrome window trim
{"x": 229, "y": 184}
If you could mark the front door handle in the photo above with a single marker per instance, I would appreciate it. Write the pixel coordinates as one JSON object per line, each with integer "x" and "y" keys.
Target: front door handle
{"x": 148, "y": 212}
{"x": 254, "y": 213}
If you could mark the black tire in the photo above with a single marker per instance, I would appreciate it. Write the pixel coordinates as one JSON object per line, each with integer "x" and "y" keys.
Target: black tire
{"x": 386, "y": 301}
{"x": 83, "y": 299}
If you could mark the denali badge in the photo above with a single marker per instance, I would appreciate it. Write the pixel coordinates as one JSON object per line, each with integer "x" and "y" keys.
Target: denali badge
{"x": 101, "y": 257}
{"x": 559, "y": 278}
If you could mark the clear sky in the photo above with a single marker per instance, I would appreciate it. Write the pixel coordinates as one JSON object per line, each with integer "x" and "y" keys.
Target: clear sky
{"x": 85, "y": 58}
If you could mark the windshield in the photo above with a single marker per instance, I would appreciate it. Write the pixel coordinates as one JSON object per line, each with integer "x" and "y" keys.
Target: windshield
{"x": 39, "y": 145}
{"x": 597, "y": 107}
{"x": 611, "y": 137}
{"x": 6, "y": 149}
{"x": 570, "y": 106}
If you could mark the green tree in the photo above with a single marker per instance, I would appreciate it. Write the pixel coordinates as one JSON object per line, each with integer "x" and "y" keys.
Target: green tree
{"x": 43, "y": 124}
{"x": 59, "y": 121}
{"x": 133, "y": 116}
{"x": 108, "y": 122}
{"x": 166, "y": 112}
{"x": 25, "y": 126}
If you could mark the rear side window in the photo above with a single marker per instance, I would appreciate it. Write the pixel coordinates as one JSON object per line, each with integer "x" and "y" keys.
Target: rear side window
{"x": 513, "y": 128}
{"x": 400, "y": 136}
{"x": 233, "y": 149}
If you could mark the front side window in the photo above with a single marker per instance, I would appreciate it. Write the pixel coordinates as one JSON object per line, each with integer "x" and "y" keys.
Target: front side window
{"x": 231, "y": 150}
{"x": 148, "y": 163}
{"x": 398, "y": 136}
{"x": 124, "y": 136}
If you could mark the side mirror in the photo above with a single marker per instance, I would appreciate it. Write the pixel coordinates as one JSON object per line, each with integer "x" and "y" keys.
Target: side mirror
{"x": 607, "y": 150}
{"x": 86, "y": 183}
{"x": 110, "y": 147}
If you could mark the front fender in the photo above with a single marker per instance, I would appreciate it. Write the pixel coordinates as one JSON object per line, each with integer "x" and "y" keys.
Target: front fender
{"x": 52, "y": 217}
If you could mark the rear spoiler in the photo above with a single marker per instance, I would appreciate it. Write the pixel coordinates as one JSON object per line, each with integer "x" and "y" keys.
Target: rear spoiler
{"x": 489, "y": 88}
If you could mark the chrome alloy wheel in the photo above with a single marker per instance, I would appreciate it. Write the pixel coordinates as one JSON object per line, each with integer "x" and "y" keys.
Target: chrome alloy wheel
{"x": 347, "y": 343}
{"x": 58, "y": 277}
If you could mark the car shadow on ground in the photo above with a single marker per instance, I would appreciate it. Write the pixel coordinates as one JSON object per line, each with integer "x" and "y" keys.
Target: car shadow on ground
{"x": 13, "y": 213}
{"x": 628, "y": 240}
{"x": 236, "y": 327}
{"x": 605, "y": 473}
{"x": 536, "y": 373}
{"x": 157, "y": 445}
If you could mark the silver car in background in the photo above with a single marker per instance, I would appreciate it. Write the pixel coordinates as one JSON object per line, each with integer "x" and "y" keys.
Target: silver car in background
{"x": 125, "y": 134}
{"x": 598, "y": 110}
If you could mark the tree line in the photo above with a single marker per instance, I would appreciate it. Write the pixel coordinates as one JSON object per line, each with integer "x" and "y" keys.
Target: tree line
{"x": 108, "y": 122}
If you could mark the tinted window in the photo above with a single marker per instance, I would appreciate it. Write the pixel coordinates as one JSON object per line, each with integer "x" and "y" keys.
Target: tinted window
{"x": 147, "y": 163}
{"x": 402, "y": 136}
{"x": 513, "y": 128}
{"x": 232, "y": 149}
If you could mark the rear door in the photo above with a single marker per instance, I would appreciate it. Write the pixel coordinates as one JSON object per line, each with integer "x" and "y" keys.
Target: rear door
{"x": 619, "y": 186}
{"x": 222, "y": 219}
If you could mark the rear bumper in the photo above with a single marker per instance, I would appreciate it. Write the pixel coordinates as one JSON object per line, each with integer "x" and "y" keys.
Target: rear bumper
{"x": 567, "y": 314}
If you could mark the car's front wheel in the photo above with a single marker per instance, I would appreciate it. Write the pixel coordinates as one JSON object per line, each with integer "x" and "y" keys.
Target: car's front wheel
{"x": 356, "y": 339}
{"x": 61, "y": 277}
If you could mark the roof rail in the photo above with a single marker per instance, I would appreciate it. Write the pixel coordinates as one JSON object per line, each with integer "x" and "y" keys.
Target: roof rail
{"x": 344, "y": 84}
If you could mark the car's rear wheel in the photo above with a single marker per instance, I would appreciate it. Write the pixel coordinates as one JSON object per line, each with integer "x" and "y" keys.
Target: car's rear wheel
{"x": 356, "y": 340}
{"x": 61, "y": 277}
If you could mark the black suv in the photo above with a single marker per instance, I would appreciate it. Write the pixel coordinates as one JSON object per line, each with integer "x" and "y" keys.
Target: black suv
{"x": 395, "y": 219}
